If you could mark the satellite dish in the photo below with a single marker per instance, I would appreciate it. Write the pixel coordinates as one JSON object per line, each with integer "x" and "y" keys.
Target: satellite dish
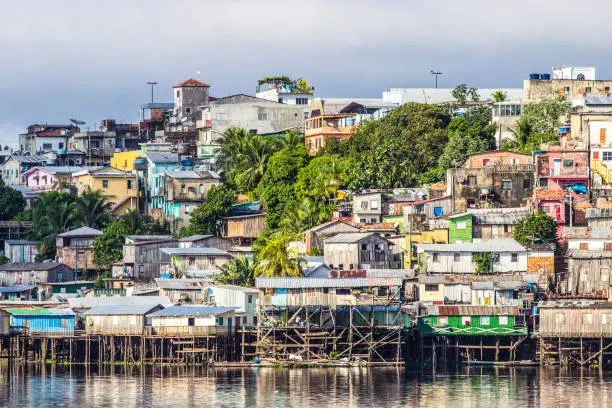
{"x": 77, "y": 122}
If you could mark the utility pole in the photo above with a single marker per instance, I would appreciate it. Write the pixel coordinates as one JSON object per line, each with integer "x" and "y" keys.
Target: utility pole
{"x": 436, "y": 74}
{"x": 152, "y": 83}
{"x": 571, "y": 211}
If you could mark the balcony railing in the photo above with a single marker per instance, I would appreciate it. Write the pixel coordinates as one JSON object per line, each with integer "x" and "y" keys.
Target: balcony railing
{"x": 564, "y": 172}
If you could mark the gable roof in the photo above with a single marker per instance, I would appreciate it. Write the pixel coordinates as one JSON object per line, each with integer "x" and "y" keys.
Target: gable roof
{"x": 493, "y": 245}
{"x": 192, "y": 311}
{"x": 351, "y": 237}
{"x": 193, "y": 251}
{"x": 285, "y": 283}
{"x": 191, "y": 83}
{"x": 93, "y": 301}
{"x": 193, "y": 238}
{"x": 142, "y": 309}
{"x": 192, "y": 174}
{"x": 56, "y": 169}
{"x": 38, "y": 311}
{"x": 330, "y": 223}
{"x": 31, "y": 266}
{"x": 81, "y": 232}
{"x": 30, "y": 159}
{"x": 162, "y": 157}
{"x": 587, "y": 232}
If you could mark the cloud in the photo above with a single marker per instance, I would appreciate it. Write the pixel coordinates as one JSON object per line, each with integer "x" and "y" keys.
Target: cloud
{"x": 91, "y": 59}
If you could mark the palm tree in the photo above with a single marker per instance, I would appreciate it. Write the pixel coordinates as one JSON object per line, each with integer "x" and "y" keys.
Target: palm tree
{"x": 522, "y": 134}
{"x": 54, "y": 214}
{"x": 231, "y": 146}
{"x": 133, "y": 222}
{"x": 499, "y": 95}
{"x": 292, "y": 139}
{"x": 93, "y": 208}
{"x": 254, "y": 158}
{"x": 239, "y": 271}
{"x": 277, "y": 260}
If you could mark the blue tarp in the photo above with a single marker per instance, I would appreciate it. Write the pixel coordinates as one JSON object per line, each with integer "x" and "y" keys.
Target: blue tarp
{"x": 579, "y": 188}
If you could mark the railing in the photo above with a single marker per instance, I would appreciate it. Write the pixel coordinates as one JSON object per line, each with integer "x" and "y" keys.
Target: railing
{"x": 564, "y": 172}
{"x": 187, "y": 330}
{"x": 514, "y": 167}
{"x": 109, "y": 292}
{"x": 603, "y": 171}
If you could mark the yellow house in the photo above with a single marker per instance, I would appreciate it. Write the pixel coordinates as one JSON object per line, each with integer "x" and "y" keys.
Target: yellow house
{"x": 119, "y": 187}
{"x": 124, "y": 160}
{"x": 431, "y": 289}
{"x": 436, "y": 236}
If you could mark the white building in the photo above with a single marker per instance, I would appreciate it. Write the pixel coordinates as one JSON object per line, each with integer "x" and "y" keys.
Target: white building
{"x": 508, "y": 256}
{"x": 588, "y": 239}
{"x": 579, "y": 73}
{"x": 245, "y": 300}
{"x": 401, "y": 96}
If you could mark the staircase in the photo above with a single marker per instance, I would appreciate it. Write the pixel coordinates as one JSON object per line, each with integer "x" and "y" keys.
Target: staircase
{"x": 603, "y": 171}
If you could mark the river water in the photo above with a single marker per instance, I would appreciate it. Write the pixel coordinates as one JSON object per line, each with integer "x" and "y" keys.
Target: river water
{"x": 35, "y": 386}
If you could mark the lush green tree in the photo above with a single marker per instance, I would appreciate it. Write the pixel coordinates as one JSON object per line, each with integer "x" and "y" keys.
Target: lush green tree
{"x": 54, "y": 214}
{"x": 460, "y": 93}
{"x": 467, "y": 135}
{"x": 499, "y": 95}
{"x": 397, "y": 150}
{"x": 208, "y": 217}
{"x": 11, "y": 203}
{"x": 275, "y": 259}
{"x": 108, "y": 247}
{"x": 538, "y": 227}
{"x": 473, "y": 93}
{"x": 275, "y": 190}
{"x": 539, "y": 123}
{"x": 4, "y": 260}
{"x": 93, "y": 208}
{"x": 322, "y": 177}
{"x": 239, "y": 271}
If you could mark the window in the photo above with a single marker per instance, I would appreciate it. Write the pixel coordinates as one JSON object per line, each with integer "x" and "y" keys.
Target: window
{"x": 262, "y": 116}
{"x": 584, "y": 246}
{"x": 250, "y": 297}
{"x": 341, "y": 267}
{"x": 364, "y": 205}
{"x": 301, "y": 101}
{"x": 466, "y": 320}
{"x": 568, "y": 163}
{"x": 443, "y": 320}
{"x": 191, "y": 260}
{"x": 430, "y": 287}
{"x": 566, "y": 90}
{"x": 187, "y": 111}
{"x": 506, "y": 185}
{"x": 47, "y": 146}
{"x": 187, "y": 209}
{"x": 178, "y": 94}
{"x": 104, "y": 183}
{"x": 587, "y": 318}
{"x": 607, "y": 89}
{"x": 374, "y": 204}
{"x": 130, "y": 184}
{"x": 436, "y": 257}
{"x": 64, "y": 323}
{"x": 61, "y": 145}
{"x": 456, "y": 257}
{"x": 514, "y": 257}
{"x": 201, "y": 188}
{"x": 364, "y": 247}
{"x": 503, "y": 320}
{"x": 587, "y": 90}
{"x": 606, "y": 156}
{"x": 602, "y": 136}
{"x": 485, "y": 320}
{"x": 183, "y": 188}
{"x": 280, "y": 100}
{"x": 351, "y": 267}
{"x": 211, "y": 260}
{"x": 506, "y": 228}
{"x": 605, "y": 274}
{"x": 496, "y": 258}
{"x": 461, "y": 225}
{"x": 220, "y": 321}
{"x": 472, "y": 181}
{"x": 191, "y": 321}
{"x": 526, "y": 184}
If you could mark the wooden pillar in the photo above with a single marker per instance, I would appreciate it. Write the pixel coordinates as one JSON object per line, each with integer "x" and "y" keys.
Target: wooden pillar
{"x": 112, "y": 349}
{"x": 497, "y": 348}
{"x": 481, "y": 350}
{"x": 601, "y": 351}
{"x": 581, "y": 352}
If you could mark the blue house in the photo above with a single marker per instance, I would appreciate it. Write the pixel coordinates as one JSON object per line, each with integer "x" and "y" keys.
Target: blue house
{"x": 158, "y": 163}
{"x": 39, "y": 320}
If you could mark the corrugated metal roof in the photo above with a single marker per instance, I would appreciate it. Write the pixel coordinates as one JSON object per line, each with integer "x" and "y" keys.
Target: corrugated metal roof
{"x": 350, "y": 237}
{"x": 30, "y": 159}
{"x": 195, "y": 238}
{"x": 293, "y": 283}
{"x": 236, "y": 288}
{"x": 162, "y": 157}
{"x": 122, "y": 309}
{"x": 493, "y": 245}
{"x": 498, "y": 216}
{"x": 598, "y": 100}
{"x": 192, "y": 311}
{"x": 575, "y": 304}
{"x": 183, "y": 283}
{"x": 57, "y": 169}
{"x": 16, "y": 288}
{"x": 93, "y": 301}
{"x": 81, "y": 232}
{"x": 598, "y": 213}
{"x": 470, "y": 310}
{"x": 19, "y": 242}
{"x": 483, "y": 285}
{"x": 194, "y": 251}
{"x": 42, "y": 266}
{"x": 192, "y": 174}
{"x": 431, "y": 279}
{"x": 39, "y": 311}
{"x": 587, "y": 232}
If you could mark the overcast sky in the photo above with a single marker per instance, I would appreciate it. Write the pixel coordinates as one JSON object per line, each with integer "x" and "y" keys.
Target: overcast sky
{"x": 90, "y": 59}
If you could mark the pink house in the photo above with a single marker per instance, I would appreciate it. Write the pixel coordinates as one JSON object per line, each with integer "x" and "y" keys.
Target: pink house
{"x": 48, "y": 178}
{"x": 562, "y": 174}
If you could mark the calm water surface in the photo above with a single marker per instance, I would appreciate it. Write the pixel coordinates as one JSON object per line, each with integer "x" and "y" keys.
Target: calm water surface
{"x": 36, "y": 386}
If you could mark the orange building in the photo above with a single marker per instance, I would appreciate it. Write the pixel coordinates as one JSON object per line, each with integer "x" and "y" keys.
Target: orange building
{"x": 317, "y": 129}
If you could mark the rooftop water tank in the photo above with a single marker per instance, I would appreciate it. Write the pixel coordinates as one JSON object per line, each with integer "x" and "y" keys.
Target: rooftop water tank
{"x": 545, "y": 77}
{"x": 186, "y": 163}
{"x": 534, "y": 76}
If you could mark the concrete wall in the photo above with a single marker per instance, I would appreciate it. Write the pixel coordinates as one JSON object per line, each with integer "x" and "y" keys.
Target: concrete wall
{"x": 262, "y": 117}
{"x": 367, "y": 207}
{"x": 572, "y": 89}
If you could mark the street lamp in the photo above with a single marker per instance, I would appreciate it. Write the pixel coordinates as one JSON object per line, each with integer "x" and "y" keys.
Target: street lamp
{"x": 152, "y": 83}
{"x": 436, "y": 74}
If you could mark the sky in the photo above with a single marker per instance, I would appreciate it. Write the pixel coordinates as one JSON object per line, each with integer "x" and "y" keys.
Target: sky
{"x": 91, "y": 59}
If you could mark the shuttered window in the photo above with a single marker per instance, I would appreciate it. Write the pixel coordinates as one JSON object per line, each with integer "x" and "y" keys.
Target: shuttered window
{"x": 602, "y": 136}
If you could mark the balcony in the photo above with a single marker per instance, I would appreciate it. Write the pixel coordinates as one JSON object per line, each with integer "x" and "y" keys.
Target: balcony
{"x": 564, "y": 172}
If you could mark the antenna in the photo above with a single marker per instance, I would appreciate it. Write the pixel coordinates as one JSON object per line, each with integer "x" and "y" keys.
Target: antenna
{"x": 77, "y": 122}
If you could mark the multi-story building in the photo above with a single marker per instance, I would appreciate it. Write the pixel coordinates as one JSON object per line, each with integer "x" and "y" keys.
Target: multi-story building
{"x": 284, "y": 90}
{"x": 98, "y": 146}
{"x": 120, "y": 188}
{"x": 45, "y": 138}
{"x": 184, "y": 191}
{"x": 190, "y": 96}
{"x": 159, "y": 159}
{"x": 74, "y": 248}
{"x": 49, "y": 178}
{"x": 15, "y": 166}
{"x": 368, "y": 207}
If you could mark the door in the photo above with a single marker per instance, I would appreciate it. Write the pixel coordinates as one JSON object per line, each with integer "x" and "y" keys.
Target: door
{"x": 229, "y": 324}
{"x": 556, "y": 167}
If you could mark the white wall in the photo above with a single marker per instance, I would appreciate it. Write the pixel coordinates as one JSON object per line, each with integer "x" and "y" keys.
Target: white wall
{"x": 53, "y": 141}
{"x": 447, "y": 263}
{"x": 594, "y": 244}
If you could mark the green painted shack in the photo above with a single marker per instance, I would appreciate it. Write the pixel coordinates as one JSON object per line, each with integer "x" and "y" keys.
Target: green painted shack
{"x": 460, "y": 228}
{"x": 473, "y": 321}
{"x": 67, "y": 287}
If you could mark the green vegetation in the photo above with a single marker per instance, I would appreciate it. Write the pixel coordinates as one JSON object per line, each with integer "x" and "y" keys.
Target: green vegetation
{"x": 208, "y": 217}
{"x": 538, "y": 227}
{"x": 11, "y": 202}
{"x": 499, "y": 95}
{"x": 539, "y": 123}
{"x": 276, "y": 259}
{"x": 239, "y": 271}
{"x": 483, "y": 262}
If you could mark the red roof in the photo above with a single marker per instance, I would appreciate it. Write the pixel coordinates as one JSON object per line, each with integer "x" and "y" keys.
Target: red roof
{"x": 190, "y": 82}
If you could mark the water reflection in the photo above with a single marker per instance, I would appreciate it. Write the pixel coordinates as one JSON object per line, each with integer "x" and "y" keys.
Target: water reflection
{"x": 112, "y": 386}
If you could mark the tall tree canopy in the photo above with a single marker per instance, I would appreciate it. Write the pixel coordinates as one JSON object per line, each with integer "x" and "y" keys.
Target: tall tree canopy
{"x": 536, "y": 228}
{"x": 208, "y": 217}
{"x": 11, "y": 202}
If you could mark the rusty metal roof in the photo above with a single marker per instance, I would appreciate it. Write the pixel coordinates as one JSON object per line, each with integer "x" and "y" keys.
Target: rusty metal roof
{"x": 457, "y": 310}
